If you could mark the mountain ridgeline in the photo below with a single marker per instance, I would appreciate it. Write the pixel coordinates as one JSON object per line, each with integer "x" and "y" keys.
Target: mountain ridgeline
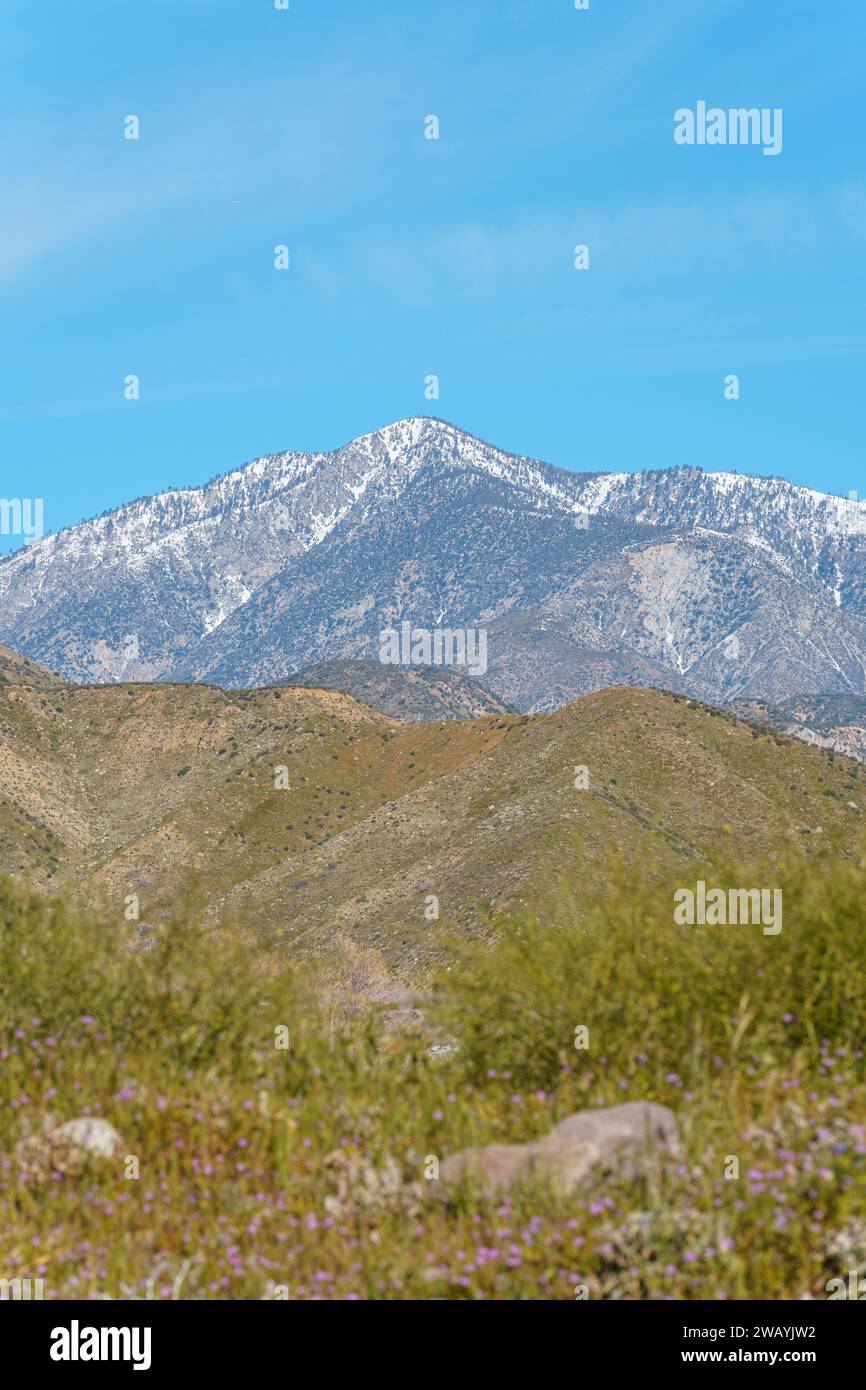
{"x": 718, "y": 585}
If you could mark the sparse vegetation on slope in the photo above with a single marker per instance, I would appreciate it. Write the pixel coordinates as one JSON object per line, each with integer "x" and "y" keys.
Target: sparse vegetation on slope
{"x": 115, "y": 791}
{"x": 414, "y": 695}
{"x": 16, "y": 669}
{"x": 830, "y": 721}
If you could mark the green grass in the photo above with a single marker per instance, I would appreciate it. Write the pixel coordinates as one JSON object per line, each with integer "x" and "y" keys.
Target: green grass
{"x": 755, "y": 1042}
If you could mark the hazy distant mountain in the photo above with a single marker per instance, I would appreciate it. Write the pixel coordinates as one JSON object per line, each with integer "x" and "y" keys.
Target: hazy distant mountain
{"x": 721, "y": 585}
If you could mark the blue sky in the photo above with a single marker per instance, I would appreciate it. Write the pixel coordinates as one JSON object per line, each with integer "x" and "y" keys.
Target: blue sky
{"x": 412, "y": 257}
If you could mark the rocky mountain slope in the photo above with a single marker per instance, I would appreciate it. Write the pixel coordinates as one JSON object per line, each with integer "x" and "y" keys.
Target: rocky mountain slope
{"x": 309, "y": 818}
{"x": 830, "y": 721}
{"x": 17, "y": 670}
{"x": 722, "y": 585}
{"x": 414, "y": 695}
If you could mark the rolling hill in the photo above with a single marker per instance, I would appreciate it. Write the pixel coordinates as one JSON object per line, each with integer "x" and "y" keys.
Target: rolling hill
{"x": 16, "y": 669}
{"x": 414, "y": 695}
{"x": 308, "y": 817}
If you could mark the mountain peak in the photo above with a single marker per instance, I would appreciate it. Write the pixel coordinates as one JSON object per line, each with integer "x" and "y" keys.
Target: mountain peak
{"x": 401, "y": 435}
{"x": 582, "y": 578}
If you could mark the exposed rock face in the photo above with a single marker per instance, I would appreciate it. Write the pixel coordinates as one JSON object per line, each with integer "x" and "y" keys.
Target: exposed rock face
{"x": 717, "y": 584}
{"x": 622, "y": 1139}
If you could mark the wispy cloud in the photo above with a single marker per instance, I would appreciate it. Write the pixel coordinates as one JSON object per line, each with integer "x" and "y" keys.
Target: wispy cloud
{"x": 759, "y": 232}
{"x": 330, "y": 140}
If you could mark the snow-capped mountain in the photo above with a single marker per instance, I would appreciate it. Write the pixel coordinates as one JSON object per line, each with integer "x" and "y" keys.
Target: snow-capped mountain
{"x": 721, "y": 584}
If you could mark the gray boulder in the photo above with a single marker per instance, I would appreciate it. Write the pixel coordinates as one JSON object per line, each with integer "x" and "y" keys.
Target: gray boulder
{"x": 88, "y": 1135}
{"x": 67, "y": 1148}
{"x": 621, "y": 1139}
